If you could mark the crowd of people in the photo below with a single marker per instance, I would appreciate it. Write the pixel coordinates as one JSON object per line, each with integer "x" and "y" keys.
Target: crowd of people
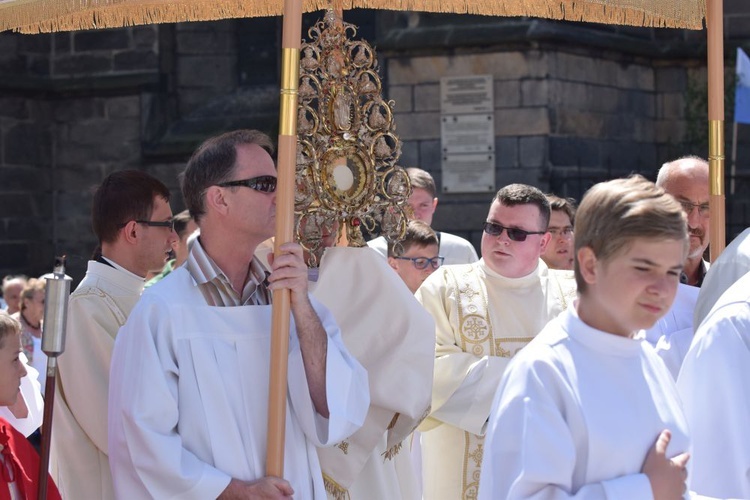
{"x": 591, "y": 352}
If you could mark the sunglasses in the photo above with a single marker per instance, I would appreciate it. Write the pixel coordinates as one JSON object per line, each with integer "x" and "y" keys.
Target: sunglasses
{"x": 514, "y": 233}
{"x": 263, "y": 183}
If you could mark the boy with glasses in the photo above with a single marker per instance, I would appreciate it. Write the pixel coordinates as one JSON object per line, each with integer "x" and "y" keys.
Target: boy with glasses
{"x": 484, "y": 314}
{"x": 416, "y": 257}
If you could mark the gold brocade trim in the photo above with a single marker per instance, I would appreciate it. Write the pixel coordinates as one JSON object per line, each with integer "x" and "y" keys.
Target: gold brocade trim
{"x": 392, "y": 451}
{"x": 35, "y": 16}
{"x": 473, "y": 454}
{"x": 343, "y": 446}
{"x": 334, "y": 489}
{"x": 392, "y": 424}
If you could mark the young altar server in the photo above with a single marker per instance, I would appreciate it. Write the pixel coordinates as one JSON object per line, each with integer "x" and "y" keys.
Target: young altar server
{"x": 586, "y": 411}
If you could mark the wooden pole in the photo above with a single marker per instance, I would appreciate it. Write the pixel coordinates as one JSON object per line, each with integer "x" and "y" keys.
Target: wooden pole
{"x": 277, "y": 390}
{"x": 715, "y": 27}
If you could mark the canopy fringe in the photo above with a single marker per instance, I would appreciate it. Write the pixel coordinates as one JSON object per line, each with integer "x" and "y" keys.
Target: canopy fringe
{"x": 41, "y": 16}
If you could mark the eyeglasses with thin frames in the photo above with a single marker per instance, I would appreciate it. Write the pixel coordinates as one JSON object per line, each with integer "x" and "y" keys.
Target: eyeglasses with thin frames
{"x": 422, "y": 262}
{"x": 688, "y": 206}
{"x": 262, "y": 183}
{"x": 153, "y": 223}
{"x": 514, "y": 233}
{"x": 560, "y": 231}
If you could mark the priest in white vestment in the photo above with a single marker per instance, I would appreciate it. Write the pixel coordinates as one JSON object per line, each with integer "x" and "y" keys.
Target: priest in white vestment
{"x": 588, "y": 411}
{"x": 715, "y": 390}
{"x": 390, "y": 333}
{"x": 131, "y": 217}
{"x": 484, "y": 314}
{"x": 190, "y": 369}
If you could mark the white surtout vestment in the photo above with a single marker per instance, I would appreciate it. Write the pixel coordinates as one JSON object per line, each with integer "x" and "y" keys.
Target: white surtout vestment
{"x": 732, "y": 264}
{"x": 97, "y": 309}
{"x": 390, "y": 333}
{"x": 482, "y": 319}
{"x": 672, "y": 334}
{"x": 455, "y": 249}
{"x": 715, "y": 390}
{"x": 189, "y": 396}
{"x": 575, "y": 416}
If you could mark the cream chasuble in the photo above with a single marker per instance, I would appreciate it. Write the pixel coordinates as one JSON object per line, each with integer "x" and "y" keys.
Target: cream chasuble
{"x": 391, "y": 335}
{"x": 79, "y": 460}
{"x": 482, "y": 320}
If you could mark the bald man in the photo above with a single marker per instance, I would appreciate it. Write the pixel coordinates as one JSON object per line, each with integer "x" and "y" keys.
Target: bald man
{"x": 687, "y": 180}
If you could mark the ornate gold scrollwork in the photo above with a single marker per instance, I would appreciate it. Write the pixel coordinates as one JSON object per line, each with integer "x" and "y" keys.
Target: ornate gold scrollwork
{"x": 347, "y": 175}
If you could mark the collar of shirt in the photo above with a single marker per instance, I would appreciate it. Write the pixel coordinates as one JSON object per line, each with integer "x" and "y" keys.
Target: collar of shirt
{"x": 120, "y": 268}
{"x": 702, "y": 270}
{"x": 216, "y": 287}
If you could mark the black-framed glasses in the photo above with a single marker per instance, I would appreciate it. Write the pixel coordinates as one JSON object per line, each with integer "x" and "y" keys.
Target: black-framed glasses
{"x": 514, "y": 233}
{"x": 422, "y": 262}
{"x": 262, "y": 183}
{"x": 153, "y": 223}
{"x": 561, "y": 231}
{"x": 688, "y": 206}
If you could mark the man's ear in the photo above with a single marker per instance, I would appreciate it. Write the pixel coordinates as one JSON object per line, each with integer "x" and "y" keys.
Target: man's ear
{"x": 587, "y": 264}
{"x": 215, "y": 199}
{"x": 543, "y": 242}
{"x": 393, "y": 263}
{"x": 434, "y": 203}
{"x": 130, "y": 232}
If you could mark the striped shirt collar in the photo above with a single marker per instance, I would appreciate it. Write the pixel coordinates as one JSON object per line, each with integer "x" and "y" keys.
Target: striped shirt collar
{"x": 216, "y": 287}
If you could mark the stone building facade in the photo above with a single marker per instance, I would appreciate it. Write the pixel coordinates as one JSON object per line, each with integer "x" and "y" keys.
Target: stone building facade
{"x": 574, "y": 104}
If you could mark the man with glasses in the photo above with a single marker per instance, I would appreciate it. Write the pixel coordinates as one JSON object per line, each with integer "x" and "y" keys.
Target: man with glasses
{"x": 132, "y": 220}
{"x": 687, "y": 180}
{"x": 484, "y": 314}
{"x": 190, "y": 370}
{"x": 559, "y": 252}
{"x": 416, "y": 257}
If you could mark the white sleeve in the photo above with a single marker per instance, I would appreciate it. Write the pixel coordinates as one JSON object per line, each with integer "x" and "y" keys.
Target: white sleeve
{"x": 148, "y": 459}
{"x": 530, "y": 450}
{"x": 347, "y": 389}
{"x": 716, "y": 398}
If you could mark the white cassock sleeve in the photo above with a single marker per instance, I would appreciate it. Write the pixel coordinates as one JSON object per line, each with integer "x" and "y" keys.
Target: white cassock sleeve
{"x": 714, "y": 385}
{"x": 347, "y": 389}
{"x": 530, "y": 449}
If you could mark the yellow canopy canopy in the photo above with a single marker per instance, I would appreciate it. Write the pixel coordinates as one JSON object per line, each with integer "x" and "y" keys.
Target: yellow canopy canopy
{"x": 35, "y": 16}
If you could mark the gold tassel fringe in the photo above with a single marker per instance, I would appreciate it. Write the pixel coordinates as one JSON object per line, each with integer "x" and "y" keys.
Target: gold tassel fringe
{"x": 36, "y": 16}
{"x": 334, "y": 489}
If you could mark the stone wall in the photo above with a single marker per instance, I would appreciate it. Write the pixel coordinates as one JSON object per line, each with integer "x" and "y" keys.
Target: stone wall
{"x": 76, "y": 106}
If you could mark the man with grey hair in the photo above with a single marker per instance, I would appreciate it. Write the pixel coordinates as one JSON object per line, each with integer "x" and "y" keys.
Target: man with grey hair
{"x": 190, "y": 369}
{"x": 686, "y": 179}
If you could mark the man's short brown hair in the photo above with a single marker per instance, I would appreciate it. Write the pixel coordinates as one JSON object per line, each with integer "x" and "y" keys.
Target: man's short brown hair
{"x": 213, "y": 162}
{"x": 567, "y": 205}
{"x": 418, "y": 234}
{"x": 523, "y": 194}
{"x": 421, "y": 179}
{"x": 123, "y": 196}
